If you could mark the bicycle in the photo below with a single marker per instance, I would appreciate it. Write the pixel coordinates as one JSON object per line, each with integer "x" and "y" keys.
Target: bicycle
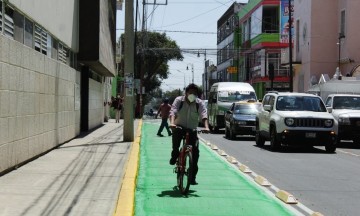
{"x": 184, "y": 163}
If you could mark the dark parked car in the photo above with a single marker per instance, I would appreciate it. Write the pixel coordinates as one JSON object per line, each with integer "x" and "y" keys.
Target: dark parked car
{"x": 240, "y": 118}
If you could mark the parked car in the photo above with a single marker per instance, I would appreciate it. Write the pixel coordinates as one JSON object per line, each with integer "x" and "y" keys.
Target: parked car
{"x": 240, "y": 118}
{"x": 346, "y": 110}
{"x": 295, "y": 119}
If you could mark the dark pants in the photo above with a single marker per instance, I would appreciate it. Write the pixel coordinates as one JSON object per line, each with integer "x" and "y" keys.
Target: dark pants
{"x": 193, "y": 139}
{"x": 164, "y": 123}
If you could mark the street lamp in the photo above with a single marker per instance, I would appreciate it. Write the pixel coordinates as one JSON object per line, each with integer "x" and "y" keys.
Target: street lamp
{"x": 341, "y": 36}
{"x": 192, "y": 70}
{"x": 184, "y": 77}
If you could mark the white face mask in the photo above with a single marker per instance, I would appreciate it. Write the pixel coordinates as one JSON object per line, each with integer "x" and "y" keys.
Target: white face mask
{"x": 191, "y": 98}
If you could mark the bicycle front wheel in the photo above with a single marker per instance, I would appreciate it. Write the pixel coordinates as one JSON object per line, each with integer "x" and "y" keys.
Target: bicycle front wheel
{"x": 185, "y": 175}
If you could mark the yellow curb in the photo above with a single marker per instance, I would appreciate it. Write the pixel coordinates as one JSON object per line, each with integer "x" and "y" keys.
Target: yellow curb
{"x": 286, "y": 197}
{"x": 125, "y": 203}
{"x": 262, "y": 181}
{"x": 244, "y": 169}
{"x": 316, "y": 214}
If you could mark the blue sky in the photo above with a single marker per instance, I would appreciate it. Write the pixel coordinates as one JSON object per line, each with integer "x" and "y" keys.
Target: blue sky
{"x": 192, "y": 24}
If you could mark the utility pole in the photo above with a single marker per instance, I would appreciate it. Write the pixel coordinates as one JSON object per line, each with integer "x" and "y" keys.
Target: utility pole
{"x": 143, "y": 57}
{"x": 192, "y": 70}
{"x": 129, "y": 72}
{"x": 184, "y": 78}
{"x": 290, "y": 46}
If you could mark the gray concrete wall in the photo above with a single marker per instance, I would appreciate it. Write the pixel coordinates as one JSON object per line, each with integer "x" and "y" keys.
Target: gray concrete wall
{"x": 39, "y": 103}
{"x": 106, "y": 52}
{"x": 96, "y": 103}
{"x": 61, "y": 18}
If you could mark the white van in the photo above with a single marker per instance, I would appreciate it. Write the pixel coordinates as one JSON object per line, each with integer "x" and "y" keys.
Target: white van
{"x": 221, "y": 96}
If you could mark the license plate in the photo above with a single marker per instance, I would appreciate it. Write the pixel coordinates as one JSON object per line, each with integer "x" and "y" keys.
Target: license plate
{"x": 310, "y": 135}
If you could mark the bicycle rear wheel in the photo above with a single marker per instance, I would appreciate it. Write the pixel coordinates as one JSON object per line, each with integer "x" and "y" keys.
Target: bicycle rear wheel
{"x": 185, "y": 175}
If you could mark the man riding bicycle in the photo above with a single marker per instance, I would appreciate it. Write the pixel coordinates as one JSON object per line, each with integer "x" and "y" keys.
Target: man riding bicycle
{"x": 185, "y": 112}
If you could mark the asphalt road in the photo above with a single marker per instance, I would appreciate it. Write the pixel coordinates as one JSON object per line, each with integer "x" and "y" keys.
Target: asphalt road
{"x": 325, "y": 183}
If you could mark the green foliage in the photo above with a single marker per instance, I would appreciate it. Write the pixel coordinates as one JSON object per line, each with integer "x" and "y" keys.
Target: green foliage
{"x": 153, "y": 52}
{"x": 173, "y": 94}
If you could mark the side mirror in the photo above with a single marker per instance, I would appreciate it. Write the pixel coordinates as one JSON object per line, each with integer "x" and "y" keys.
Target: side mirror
{"x": 268, "y": 108}
{"x": 329, "y": 109}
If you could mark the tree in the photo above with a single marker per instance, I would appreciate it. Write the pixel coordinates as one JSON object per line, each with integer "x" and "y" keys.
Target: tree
{"x": 153, "y": 52}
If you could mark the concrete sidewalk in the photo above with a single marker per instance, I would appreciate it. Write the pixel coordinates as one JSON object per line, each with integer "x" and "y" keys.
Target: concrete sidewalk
{"x": 81, "y": 177}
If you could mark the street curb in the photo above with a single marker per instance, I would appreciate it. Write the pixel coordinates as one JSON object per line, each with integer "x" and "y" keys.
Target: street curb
{"x": 126, "y": 198}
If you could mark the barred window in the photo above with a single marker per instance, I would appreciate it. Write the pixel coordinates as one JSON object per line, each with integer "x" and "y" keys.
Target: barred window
{"x": 62, "y": 53}
{"x": 1, "y": 16}
{"x": 40, "y": 39}
{"x": 9, "y": 22}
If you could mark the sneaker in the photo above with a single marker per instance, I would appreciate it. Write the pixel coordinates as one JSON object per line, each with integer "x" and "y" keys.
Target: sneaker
{"x": 160, "y": 135}
{"x": 172, "y": 161}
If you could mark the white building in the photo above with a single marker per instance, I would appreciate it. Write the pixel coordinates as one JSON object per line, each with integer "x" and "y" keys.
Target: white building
{"x": 56, "y": 60}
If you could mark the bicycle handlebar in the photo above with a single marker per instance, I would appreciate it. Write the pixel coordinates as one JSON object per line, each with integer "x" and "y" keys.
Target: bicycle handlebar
{"x": 193, "y": 130}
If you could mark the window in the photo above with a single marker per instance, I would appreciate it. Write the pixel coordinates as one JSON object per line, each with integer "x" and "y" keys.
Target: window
{"x": 342, "y": 23}
{"x": 49, "y": 45}
{"x": 54, "y": 50}
{"x": 18, "y": 27}
{"x": 297, "y": 38}
{"x": 266, "y": 100}
{"x": 29, "y": 29}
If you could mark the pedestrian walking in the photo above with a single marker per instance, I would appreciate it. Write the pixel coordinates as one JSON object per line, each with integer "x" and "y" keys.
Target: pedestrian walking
{"x": 117, "y": 104}
{"x": 164, "y": 111}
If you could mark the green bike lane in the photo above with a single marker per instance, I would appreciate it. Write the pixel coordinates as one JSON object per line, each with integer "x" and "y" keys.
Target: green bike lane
{"x": 222, "y": 189}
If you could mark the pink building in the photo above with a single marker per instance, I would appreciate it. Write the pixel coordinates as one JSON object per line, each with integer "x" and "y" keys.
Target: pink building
{"x": 326, "y": 36}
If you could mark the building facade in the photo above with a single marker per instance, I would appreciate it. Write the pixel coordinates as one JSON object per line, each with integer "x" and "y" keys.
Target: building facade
{"x": 326, "y": 37}
{"x": 228, "y": 45}
{"x": 55, "y": 73}
{"x": 264, "y": 33}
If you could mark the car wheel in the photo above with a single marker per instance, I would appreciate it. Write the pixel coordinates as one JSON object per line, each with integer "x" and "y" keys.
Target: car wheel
{"x": 330, "y": 148}
{"x": 231, "y": 132}
{"x": 226, "y": 132}
{"x": 356, "y": 141}
{"x": 274, "y": 142}
{"x": 259, "y": 140}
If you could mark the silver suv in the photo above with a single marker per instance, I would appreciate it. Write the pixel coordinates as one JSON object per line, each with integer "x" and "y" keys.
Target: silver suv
{"x": 295, "y": 119}
{"x": 346, "y": 110}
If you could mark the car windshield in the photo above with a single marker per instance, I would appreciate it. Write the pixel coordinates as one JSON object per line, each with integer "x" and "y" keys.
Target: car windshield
{"x": 232, "y": 96}
{"x": 300, "y": 103}
{"x": 346, "y": 102}
{"x": 247, "y": 109}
